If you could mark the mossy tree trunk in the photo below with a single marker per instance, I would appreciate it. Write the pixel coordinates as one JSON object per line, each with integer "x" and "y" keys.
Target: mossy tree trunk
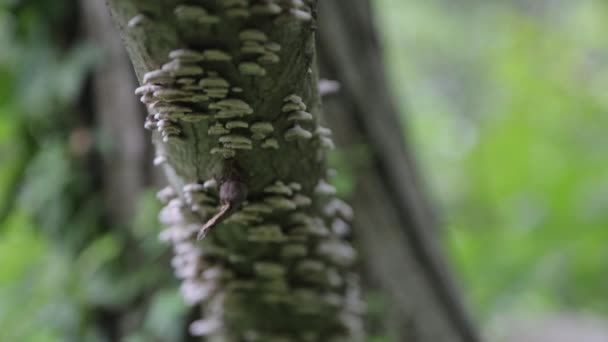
{"x": 231, "y": 88}
{"x": 232, "y": 91}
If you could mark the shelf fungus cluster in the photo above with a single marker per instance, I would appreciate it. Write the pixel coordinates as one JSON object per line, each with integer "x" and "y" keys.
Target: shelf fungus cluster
{"x": 277, "y": 251}
{"x": 181, "y": 91}
{"x": 297, "y": 116}
{"x": 243, "y": 9}
{"x": 258, "y": 50}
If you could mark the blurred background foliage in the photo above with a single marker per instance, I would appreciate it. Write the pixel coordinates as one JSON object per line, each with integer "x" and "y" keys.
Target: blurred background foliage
{"x": 504, "y": 102}
{"x": 507, "y": 109}
{"x": 66, "y": 271}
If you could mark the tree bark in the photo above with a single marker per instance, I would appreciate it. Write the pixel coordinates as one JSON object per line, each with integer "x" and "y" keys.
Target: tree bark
{"x": 394, "y": 222}
{"x": 232, "y": 92}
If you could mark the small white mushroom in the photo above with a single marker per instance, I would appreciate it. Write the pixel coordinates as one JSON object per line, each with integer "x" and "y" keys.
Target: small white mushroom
{"x": 337, "y": 207}
{"x": 186, "y": 55}
{"x": 327, "y": 143}
{"x": 159, "y": 160}
{"x": 227, "y": 153}
{"x": 281, "y": 203}
{"x": 297, "y": 132}
{"x": 158, "y": 76}
{"x": 292, "y": 106}
{"x": 293, "y": 98}
{"x": 189, "y": 11}
{"x": 271, "y": 143}
{"x": 147, "y": 98}
{"x": 193, "y": 187}
{"x": 179, "y": 68}
{"x": 136, "y": 20}
{"x": 147, "y": 88}
{"x": 273, "y": 46}
{"x": 295, "y": 186}
{"x": 214, "y": 82}
{"x": 210, "y": 184}
{"x": 324, "y": 189}
{"x": 217, "y": 93}
{"x": 185, "y": 81}
{"x": 229, "y": 114}
{"x": 302, "y": 201}
{"x": 169, "y": 94}
{"x": 236, "y": 124}
{"x": 232, "y": 104}
{"x": 258, "y": 208}
{"x": 323, "y": 131}
{"x": 166, "y": 194}
{"x": 278, "y": 188}
{"x": 194, "y": 87}
{"x": 172, "y": 116}
{"x": 340, "y": 227}
{"x": 268, "y": 8}
{"x": 163, "y": 106}
{"x": 194, "y": 117}
{"x": 231, "y": 108}
{"x": 205, "y": 327}
{"x": 299, "y": 115}
{"x": 150, "y": 124}
{"x": 235, "y": 139}
{"x": 214, "y": 55}
{"x": 163, "y": 124}
{"x": 195, "y": 13}
{"x": 252, "y": 47}
{"x": 310, "y": 267}
{"x": 217, "y": 129}
{"x": 238, "y": 146}
{"x": 337, "y": 252}
{"x": 269, "y": 58}
{"x": 261, "y": 129}
{"x": 300, "y": 14}
{"x": 328, "y": 87}
{"x": 253, "y": 34}
{"x": 251, "y": 69}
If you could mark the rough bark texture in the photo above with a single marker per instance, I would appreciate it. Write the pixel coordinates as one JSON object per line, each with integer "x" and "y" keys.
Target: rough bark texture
{"x": 232, "y": 91}
{"x": 394, "y": 223}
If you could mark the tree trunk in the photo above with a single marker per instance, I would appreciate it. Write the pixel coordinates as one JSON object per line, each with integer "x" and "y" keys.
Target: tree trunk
{"x": 394, "y": 222}
{"x": 233, "y": 100}
{"x": 288, "y": 277}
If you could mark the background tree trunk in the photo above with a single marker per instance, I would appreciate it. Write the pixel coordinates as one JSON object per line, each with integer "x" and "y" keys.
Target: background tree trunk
{"x": 394, "y": 222}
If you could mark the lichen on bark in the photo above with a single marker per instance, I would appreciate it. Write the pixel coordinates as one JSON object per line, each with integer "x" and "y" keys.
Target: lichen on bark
{"x": 231, "y": 89}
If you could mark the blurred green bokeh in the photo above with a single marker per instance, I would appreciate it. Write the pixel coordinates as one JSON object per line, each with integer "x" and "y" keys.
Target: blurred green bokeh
{"x": 504, "y": 101}
{"x": 507, "y": 108}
